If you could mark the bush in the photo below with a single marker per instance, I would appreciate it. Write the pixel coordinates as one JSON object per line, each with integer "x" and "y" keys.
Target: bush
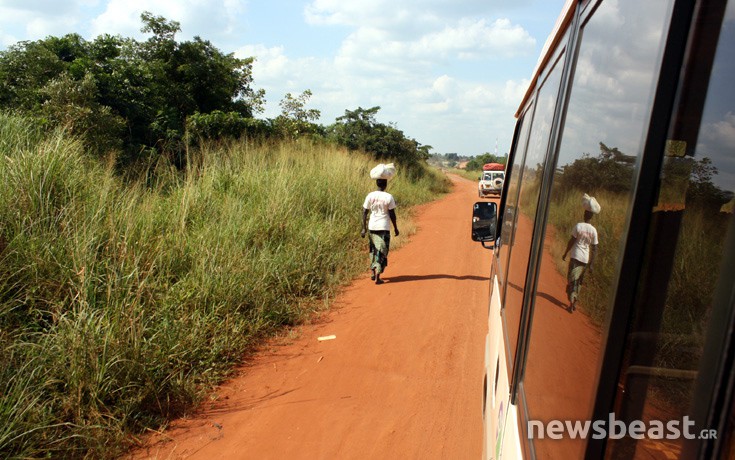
{"x": 225, "y": 125}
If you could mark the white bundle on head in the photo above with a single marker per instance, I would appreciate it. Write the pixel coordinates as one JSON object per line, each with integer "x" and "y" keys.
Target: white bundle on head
{"x": 590, "y": 204}
{"x": 382, "y": 171}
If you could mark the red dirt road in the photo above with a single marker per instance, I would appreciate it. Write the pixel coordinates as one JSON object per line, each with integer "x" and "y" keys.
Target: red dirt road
{"x": 402, "y": 379}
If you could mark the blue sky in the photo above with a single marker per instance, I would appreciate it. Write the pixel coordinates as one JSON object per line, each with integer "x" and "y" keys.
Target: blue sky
{"x": 448, "y": 73}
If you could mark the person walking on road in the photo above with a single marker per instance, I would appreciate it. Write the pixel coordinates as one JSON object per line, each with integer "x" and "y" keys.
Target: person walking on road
{"x": 381, "y": 206}
{"x": 583, "y": 247}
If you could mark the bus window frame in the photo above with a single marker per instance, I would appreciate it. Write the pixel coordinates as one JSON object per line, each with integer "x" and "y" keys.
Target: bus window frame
{"x": 567, "y": 52}
{"x": 527, "y": 117}
{"x": 502, "y": 271}
{"x": 712, "y": 397}
{"x": 559, "y": 56}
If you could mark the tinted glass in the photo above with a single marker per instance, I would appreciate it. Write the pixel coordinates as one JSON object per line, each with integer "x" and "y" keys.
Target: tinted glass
{"x": 688, "y": 240}
{"x": 512, "y": 316}
{"x": 511, "y": 201}
{"x": 608, "y": 110}
{"x": 528, "y": 175}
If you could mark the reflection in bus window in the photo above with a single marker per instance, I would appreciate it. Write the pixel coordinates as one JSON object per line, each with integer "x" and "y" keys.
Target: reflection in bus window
{"x": 693, "y": 215}
{"x": 606, "y": 118}
{"x": 511, "y": 200}
{"x": 529, "y": 175}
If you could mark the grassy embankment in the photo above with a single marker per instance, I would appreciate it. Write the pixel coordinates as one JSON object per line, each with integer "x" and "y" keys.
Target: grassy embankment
{"x": 121, "y": 304}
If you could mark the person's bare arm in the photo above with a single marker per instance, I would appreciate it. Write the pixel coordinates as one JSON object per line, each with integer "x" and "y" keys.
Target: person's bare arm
{"x": 394, "y": 219}
{"x": 569, "y": 248}
{"x": 364, "y": 222}
{"x": 593, "y": 254}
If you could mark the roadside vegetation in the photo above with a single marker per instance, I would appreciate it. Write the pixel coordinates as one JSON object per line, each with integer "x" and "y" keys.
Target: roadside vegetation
{"x": 475, "y": 164}
{"x": 158, "y": 98}
{"x": 122, "y": 303}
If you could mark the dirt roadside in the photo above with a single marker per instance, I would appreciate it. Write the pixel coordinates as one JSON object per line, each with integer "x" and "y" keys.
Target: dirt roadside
{"x": 402, "y": 378}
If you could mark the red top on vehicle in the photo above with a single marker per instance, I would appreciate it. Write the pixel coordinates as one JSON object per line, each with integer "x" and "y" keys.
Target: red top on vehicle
{"x": 493, "y": 167}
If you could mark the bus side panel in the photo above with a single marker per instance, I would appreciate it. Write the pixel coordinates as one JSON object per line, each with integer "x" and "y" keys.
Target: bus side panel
{"x": 501, "y": 438}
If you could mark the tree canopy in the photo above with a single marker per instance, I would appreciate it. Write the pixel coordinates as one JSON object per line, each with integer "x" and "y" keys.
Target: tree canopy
{"x": 359, "y": 130}
{"x": 147, "y": 88}
{"x": 476, "y": 163}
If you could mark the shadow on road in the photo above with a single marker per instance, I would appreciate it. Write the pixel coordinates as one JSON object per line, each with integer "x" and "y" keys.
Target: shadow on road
{"x": 403, "y": 278}
{"x": 543, "y": 295}
{"x": 553, "y": 300}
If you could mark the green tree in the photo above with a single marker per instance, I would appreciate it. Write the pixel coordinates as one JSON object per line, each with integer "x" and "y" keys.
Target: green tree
{"x": 702, "y": 190}
{"x": 476, "y": 163}
{"x": 72, "y": 104}
{"x": 355, "y": 128}
{"x": 187, "y": 78}
{"x": 152, "y": 85}
{"x": 25, "y": 68}
{"x": 359, "y": 130}
{"x": 295, "y": 119}
{"x": 223, "y": 125}
{"x": 611, "y": 170}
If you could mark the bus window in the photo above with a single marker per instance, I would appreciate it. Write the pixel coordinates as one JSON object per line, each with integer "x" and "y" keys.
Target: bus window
{"x": 506, "y": 233}
{"x": 527, "y": 177}
{"x": 605, "y": 126}
{"x": 511, "y": 200}
{"x": 688, "y": 241}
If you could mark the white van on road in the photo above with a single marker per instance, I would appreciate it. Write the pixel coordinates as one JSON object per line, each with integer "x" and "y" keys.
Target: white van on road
{"x": 491, "y": 183}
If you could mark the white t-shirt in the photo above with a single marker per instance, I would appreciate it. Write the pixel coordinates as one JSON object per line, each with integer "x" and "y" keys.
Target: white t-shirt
{"x": 379, "y": 203}
{"x": 586, "y": 235}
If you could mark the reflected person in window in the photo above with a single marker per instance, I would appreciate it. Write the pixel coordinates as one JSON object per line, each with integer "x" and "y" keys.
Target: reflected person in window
{"x": 381, "y": 206}
{"x": 583, "y": 247}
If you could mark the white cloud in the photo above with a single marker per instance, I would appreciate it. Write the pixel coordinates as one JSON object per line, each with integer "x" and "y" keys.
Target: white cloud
{"x": 41, "y": 6}
{"x": 270, "y": 64}
{"x": 472, "y": 39}
{"x": 433, "y": 110}
{"x": 210, "y": 19}
{"x": 38, "y": 19}
{"x": 386, "y": 30}
{"x": 402, "y": 15}
{"x": 720, "y": 136}
{"x": 717, "y": 141}
{"x": 730, "y": 12}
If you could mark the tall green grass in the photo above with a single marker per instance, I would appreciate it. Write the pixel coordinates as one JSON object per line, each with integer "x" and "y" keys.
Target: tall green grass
{"x": 122, "y": 303}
